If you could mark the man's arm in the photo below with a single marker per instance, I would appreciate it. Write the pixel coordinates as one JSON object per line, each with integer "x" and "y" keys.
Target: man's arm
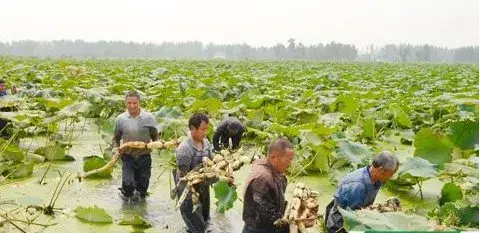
{"x": 237, "y": 138}
{"x": 216, "y": 137}
{"x": 184, "y": 160}
{"x": 352, "y": 196}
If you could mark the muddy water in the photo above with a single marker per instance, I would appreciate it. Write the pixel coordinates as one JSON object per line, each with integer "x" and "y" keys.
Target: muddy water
{"x": 158, "y": 208}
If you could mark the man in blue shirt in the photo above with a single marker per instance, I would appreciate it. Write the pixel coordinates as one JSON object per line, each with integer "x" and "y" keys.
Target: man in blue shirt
{"x": 359, "y": 188}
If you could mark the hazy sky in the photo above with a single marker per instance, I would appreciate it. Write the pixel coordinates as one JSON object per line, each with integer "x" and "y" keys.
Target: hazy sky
{"x": 449, "y": 23}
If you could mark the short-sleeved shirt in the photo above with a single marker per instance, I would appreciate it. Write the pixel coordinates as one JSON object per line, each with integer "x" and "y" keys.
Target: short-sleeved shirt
{"x": 188, "y": 156}
{"x": 356, "y": 190}
{"x": 135, "y": 129}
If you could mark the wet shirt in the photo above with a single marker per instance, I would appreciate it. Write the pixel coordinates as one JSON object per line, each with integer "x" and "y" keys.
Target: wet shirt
{"x": 356, "y": 190}
{"x": 264, "y": 200}
{"x": 188, "y": 156}
{"x": 135, "y": 129}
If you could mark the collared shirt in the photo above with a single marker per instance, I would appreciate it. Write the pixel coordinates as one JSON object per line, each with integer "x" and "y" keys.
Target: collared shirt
{"x": 188, "y": 156}
{"x": 135, "y": 129}
{"x": 357, "y": 190}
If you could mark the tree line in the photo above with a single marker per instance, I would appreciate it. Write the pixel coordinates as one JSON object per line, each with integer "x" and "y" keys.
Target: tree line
{"x": 291, "y": 50}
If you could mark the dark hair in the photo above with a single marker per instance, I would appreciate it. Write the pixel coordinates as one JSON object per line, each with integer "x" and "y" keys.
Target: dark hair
{"x": 234, "y": 126}
{"x": 1, "y": 81}
{"x": 197, "y": 119}
{"x": 279, "y": 144}
{"x": 132, "y": 94}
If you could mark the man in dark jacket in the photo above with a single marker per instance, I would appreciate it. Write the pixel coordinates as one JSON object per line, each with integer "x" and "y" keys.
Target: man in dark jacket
{"x": 6, "y": 128}
{"x": 230, "y": 127}
{"x": 264, "y": 200}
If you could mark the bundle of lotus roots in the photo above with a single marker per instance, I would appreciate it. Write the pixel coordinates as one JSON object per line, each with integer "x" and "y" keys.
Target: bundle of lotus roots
{"x": 136, "y": 144}
{"x": 391, "y": 205}
{"x": 301, "y": 211}
{"x": 220, "y": 167}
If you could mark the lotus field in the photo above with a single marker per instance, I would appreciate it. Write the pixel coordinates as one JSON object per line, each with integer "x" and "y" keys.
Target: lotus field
{"x": 338, "y": 116}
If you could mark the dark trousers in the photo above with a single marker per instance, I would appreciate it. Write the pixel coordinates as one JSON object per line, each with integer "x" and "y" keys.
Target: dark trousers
{"x": 136, "y": 172}
{"x": 5, "y": 129}
{"x": 333, "y": 218}
{"x": 197, "y": 220}
{"x": 271, "y": 229}
{"x": 225, "y": 141}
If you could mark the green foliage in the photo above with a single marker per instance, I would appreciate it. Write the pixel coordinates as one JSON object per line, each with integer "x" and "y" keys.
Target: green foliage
{"x": 225, "y": 196}
{"x": 464, "y": 134}
{"x": 336, "y": 114}
{"x": 95, "y": 162}
{"x": 93, "y": 214}
{"x": 135, "y": 220}
{"x": 417, "y": 167}
{"x": 450, "y": 193}
{"x": 400, "y": 116}
{"x": 390, "y": 221}
{"x": 354, "y": 152}
{"x": 52, "y": 153}
{"x": 22, "y": 170}
{"x": 434, "y": 147}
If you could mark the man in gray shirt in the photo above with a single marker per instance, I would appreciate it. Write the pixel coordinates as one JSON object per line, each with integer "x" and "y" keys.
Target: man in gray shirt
{"x": 135, "y": 124}
{"x": 189, "y": 155}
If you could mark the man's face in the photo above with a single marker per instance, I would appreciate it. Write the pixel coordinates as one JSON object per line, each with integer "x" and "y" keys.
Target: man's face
{"x": 281, "y": 160}
{"x": 383, "y": 174}
{"x": 2, "y": 86}
{"x": 133, "y": 104}
{"x": 199, "y": 133}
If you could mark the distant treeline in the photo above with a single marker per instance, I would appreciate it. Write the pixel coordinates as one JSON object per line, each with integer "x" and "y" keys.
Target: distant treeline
{"x": 291, "y": 50}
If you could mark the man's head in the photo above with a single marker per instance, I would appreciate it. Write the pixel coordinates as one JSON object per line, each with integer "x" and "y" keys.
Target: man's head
{"x": 280, "y": 154}
{"x": 384, "y": 166}
{"x": 233, "y": 128}
{"x": 198, "y": 125}
{"x": 2, "y": 85}
{"x": 132, "y": 101}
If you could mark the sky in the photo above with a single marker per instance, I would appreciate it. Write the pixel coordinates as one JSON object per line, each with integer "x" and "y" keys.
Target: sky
{"x": 446, "y": 23}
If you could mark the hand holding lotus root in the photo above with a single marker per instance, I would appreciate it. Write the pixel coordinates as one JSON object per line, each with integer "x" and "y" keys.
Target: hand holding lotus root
{"x": 135, "y": 144}
{"x": 301, "y": 211}
{"x": 220, "y": 167}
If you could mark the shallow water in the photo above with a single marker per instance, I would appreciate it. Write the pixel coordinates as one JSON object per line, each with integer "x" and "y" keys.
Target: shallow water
{"x": 158, "y": 208}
